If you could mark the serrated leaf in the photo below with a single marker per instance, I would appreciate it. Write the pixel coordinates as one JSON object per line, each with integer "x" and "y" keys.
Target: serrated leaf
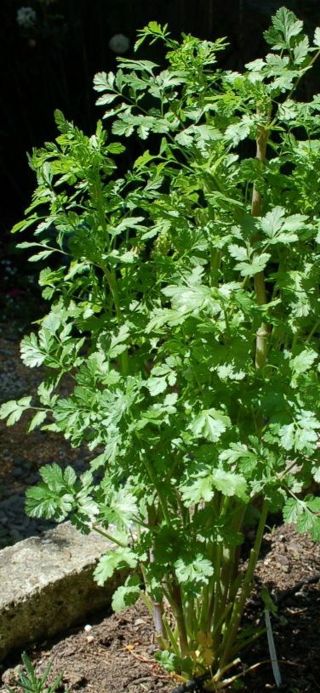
{"x": 37, "y": 420}
{"x": 52, "y": 475}
{"x": 42, "y": 255}
{"x": 102, "y": 81}
{"x": 116, "y": 148}
{"x": 156, "y": 386}
{"x": 272, "y": 221}
{"x": 106, "y": 99}
{"x": 304, "y": 514}
{"x": 301, "y": 50}
{"x": 256, "y": 265}
{"x": 118, "y": 342}
{"x": 237, "y": 132}
{"x": 287, "y": 436}
{"x": 189, "y": 299}
{"x": 127, "y": 594}
{"x": 230, "y": 484}
{"x": 303, "y": 362}
{"x": 210, "y": 424}
{"x": 238, "y": 252}
{"x": 112, "y": 561}
{"x": 13, "y": 410}
{"x": 282, "y": 228}
{"x": 184, "y": 138}
{"x": 69, "y": 476}
{"x": 285, "y": 26}
{"x": 31, "y": 353}
{"x": 196, "y": 570}
{"x": 39, "y": 503}
{"x": 201, "y": 489}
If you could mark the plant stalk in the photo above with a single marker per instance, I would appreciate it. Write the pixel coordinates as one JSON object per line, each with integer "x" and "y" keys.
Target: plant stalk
{"x": 259, "y": 280}
{"x": 231, "y": 632}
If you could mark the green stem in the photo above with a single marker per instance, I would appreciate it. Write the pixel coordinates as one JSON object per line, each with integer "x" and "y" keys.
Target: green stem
{"x": 176, "y": 603}
{"x": 156, "y": 486}
{"x": 231, "y": 632}
{"x": 215, "y": 602}
{"x": 112, "y": 281}
{"x": 109, "y": 536}
{"x": 259, "y": 281}
{"x": 314, "y": 329}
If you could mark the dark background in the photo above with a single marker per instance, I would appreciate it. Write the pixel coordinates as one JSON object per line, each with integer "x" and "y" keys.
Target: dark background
{"x": 51, "y": 65}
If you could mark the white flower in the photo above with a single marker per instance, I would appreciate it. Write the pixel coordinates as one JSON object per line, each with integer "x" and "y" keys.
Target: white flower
{"x": 119, "y": 43}
{"x": 26, "y": 17}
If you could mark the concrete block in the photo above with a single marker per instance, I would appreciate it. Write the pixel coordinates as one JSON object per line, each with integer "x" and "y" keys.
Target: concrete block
{"x": 46, "y": 585}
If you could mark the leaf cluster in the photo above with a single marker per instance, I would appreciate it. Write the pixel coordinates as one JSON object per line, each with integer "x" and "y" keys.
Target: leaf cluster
{"x": 164, "y": 286}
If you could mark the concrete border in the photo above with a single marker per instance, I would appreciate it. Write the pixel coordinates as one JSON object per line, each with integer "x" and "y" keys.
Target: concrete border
{"x": 46, "y": 585}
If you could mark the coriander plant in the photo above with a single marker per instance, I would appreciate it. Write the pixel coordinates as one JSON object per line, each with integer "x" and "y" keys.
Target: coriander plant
{"x": 184, "y": 308}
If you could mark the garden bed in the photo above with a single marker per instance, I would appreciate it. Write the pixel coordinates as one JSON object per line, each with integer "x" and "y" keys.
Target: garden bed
{"x": 116, "y": 654}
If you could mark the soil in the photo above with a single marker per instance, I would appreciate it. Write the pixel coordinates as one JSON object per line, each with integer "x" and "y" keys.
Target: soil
{"x": 116, "y": 654}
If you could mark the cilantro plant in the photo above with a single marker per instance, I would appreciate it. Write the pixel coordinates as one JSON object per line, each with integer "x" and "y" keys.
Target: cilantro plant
{"x": 184, "y": 307}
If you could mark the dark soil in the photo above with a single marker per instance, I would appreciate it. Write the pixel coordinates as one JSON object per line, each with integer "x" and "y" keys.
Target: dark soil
{"x": 117, "y": 654}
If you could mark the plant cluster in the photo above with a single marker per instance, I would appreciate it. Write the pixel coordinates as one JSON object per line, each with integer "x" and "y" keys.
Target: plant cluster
{"x": 186, "y": 312}
{"x": 30, "y": 682}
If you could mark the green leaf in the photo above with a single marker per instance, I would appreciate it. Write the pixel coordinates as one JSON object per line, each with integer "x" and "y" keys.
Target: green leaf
{"x": 316, "y": 39}
{"x": 301, "y": 50}
{"x": 13, "y": 410}
{"x": 116, "y": 148}
{"x": 191, "y": 299}
{"x": 305, "y": 515}
{"x": 303, "y": 362}
{"x": 248, "y": 265}
{"x": 168, "y": 660}
{"x": 256, "y": 265}
{"x": 280, "y": 228}
{"x": 238, "y": 252}
{"x": 237, "y": 132}
{"x": 112, "y": 561}
{"x": 118, "y": 342}
{"x": 156, "y": 386}
{"x": 195, "y": 571}
{"x": 184, "y": 138}
{"x": 52, "y": 475}
{"x": 201, "y": 489}
{"x": 102, "y": 81}
{"x": 137, "y": 65}
{"x": 37, "y": 420}
{"x": 301, "y": 435}
{"x": 39, "y": 503}
{"x": 210, "y": 424}
{"x": 127, "y": 594}
{"x": 285, "y": 27}
{"x": 31, "y": 353}
{"x": 230, "y": 484}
